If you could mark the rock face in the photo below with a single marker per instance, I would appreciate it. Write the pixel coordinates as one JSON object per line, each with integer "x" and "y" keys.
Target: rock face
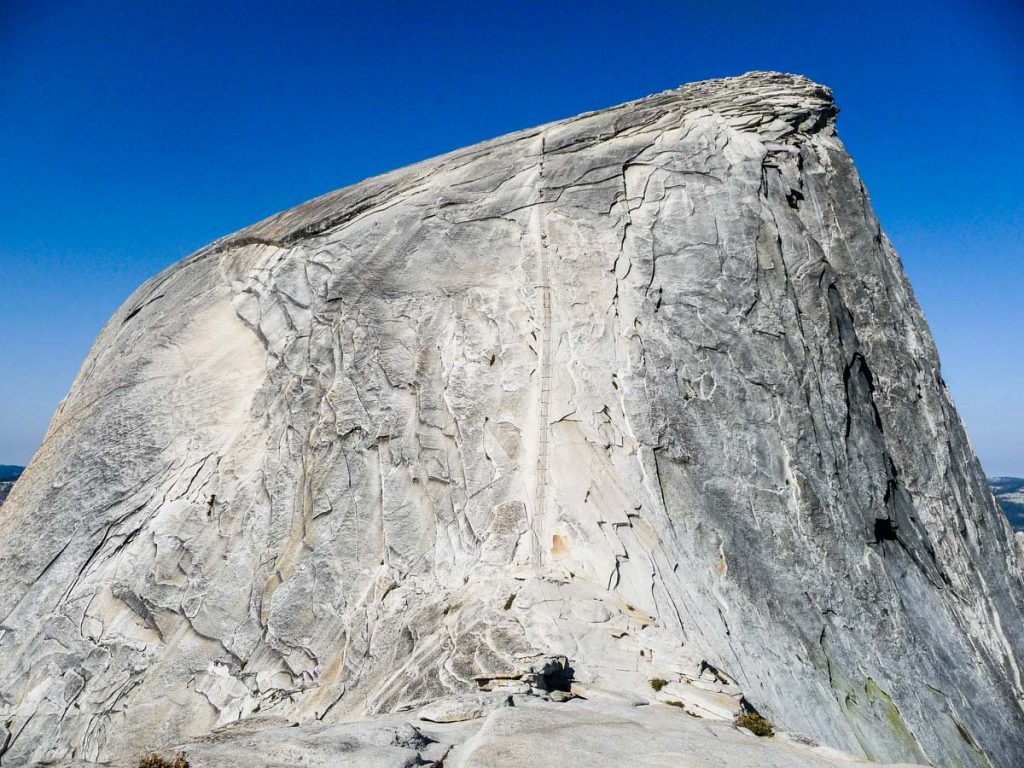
{"x": 640, "y": 395}
{"x": 533, "y": 733}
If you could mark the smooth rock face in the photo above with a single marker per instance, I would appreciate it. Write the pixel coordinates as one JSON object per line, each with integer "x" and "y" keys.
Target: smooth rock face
{"x": 589, "y": 734}
{"x": 586, "y": 734}
{"x": 641, "y": 395}
{"x": 460, "y": 708}
{"x": 596, "y": 734}
{"x": 377, "y": 745}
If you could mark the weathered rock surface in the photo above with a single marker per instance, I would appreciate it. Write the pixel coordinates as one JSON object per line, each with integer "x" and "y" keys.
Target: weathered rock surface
{"x": 640, "y": 395}
{"x": 590, "y": 734}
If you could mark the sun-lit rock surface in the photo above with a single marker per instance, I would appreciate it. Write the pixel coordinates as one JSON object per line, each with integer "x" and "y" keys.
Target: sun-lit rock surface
{"x": 533, "y": 732}
{"x": 640, "y": 395}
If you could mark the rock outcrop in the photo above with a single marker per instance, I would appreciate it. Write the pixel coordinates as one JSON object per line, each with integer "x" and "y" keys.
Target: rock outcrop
{"x": 642, "y": 395}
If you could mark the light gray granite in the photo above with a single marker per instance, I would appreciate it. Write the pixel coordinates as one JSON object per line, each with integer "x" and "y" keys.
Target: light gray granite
{"x": 588, "y": 734}
{"x": 643, "y": 394}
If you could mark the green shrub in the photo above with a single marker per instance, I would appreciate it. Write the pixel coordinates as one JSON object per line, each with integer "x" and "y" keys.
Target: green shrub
{"x": 754, "y": 723}
{"x": 657, "y": 683}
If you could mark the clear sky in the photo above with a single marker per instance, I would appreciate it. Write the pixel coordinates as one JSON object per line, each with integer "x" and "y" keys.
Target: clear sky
{"x": 132, "y": 133}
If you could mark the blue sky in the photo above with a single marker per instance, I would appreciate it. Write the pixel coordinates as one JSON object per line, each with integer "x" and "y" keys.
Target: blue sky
{"x": 134, "y": 133}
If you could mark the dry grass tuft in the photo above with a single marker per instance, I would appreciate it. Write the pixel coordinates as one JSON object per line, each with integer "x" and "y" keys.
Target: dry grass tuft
{"x": 756, "y": 724}
{"x": 153, "y": 760}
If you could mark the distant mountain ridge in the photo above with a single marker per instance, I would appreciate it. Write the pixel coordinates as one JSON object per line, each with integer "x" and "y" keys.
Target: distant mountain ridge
{"x": 1009, "y": 492}
{"x": 8, "y": 474}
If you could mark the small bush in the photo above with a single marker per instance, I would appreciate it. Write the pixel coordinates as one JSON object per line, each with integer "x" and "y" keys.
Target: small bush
{"x": 754, "y": 723}
{"x": 153, "y": 760}
{"x": 657, "y": 683}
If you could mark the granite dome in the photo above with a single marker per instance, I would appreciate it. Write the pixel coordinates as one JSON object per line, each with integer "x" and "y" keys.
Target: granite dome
{"x": 639, "y": 395}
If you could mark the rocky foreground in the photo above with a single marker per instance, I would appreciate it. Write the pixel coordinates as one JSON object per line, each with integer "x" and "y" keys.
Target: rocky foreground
{"x": 567, "y": 447}
{"x": 492, "y": 733}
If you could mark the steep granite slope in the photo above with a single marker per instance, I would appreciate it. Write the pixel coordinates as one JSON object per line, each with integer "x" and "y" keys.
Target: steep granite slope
{"x": 639, "y": 395}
